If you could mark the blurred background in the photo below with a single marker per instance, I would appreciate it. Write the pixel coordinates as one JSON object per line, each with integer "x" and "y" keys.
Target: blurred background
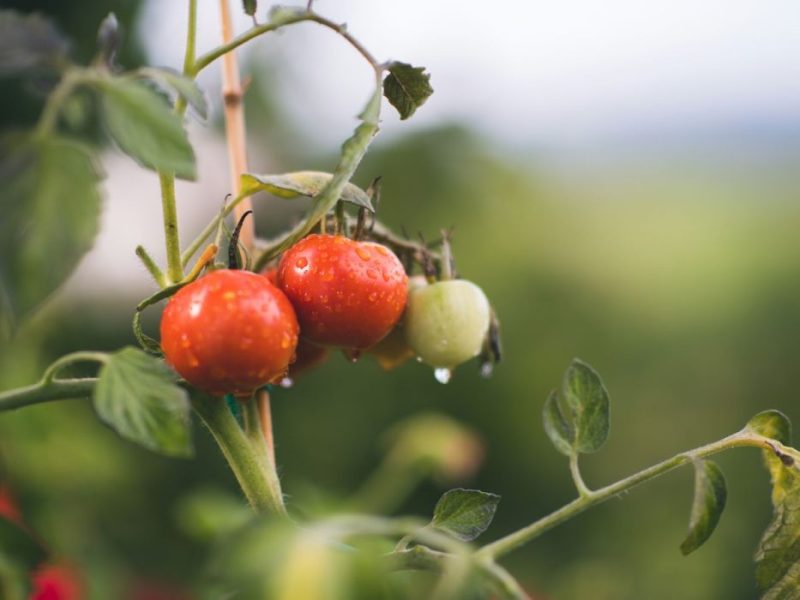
{"x": 622, "y": 179}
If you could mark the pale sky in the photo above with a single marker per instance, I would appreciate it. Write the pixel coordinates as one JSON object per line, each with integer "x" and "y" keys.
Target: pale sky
{"x": 554, "y": 72}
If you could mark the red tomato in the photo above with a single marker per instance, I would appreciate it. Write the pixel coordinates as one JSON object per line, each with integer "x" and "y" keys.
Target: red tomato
{"x": 57, "y": 582}
{"x": 229, "y": 332}
{"x": 8, "y": 507}
{"x": 346, "y": 293}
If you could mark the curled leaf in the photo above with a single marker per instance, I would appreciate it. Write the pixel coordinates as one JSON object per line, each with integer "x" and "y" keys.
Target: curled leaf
{"x": 303, "y": 183}
{"x": 710, "y": 494}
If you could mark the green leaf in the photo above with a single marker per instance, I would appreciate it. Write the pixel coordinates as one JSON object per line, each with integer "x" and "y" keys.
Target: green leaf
{"x": 18, "y": 545}
{"x": 465, "y": 514}
{"x": 303, "y": 183}
{"x": 182, "y": 85}
{"x": 586, "y": 398}
{"x": 29, "y": 41}
{"x": 778, "y": 554}
{"x": 250, "y": 7}
{"x": 145, "y": 128}
{"x": 556, "y": 426}
{"x": 15, "y": 583}
{"x": 772, "y": 424}
{"x": 406, "y": 87}
{"x": 50, "y": 206}
{"x": 710, "y": 494}
{"x": 137, "y": 396}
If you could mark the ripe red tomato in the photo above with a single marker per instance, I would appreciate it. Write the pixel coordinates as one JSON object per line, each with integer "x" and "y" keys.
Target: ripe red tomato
{"x": 346, "y": 293}
{"x": 57, "y": 582}
{"x": 229, "y": 332}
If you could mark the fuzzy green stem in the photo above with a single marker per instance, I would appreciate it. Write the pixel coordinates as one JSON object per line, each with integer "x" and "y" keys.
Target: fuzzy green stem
{"x": 575, "y": 471}
{"x": 151, "y": 266}
{"x": 250, "y": 467}
{"x": 72, "y": 78}
{"x": 516, "y": 539}
{"x": 255, "y": 433}
{"x": 49, "y": 376}
{"x": 171, "y": 237}
{"x": 59, "y": 389}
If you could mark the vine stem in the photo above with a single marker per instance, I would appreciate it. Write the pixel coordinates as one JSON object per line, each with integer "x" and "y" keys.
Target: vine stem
{"x": 591, "y": 498}
{"x": 234, "y": 126}
{"x": 245, "y": 452}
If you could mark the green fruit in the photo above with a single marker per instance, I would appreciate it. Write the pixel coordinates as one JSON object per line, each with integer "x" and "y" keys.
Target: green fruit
{"x": 446, "y": 322}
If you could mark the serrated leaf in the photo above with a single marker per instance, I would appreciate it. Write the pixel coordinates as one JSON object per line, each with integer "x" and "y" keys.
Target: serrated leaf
{"x": 144, "y": 127}
{"x": 778, "y": 554}
{"x": 710, "y": 494}
{"x": 406, "y": 87}
{"x": 29, "y": 41}
{"x": 18, "y": 545}
{"x": 50, "y": 207}
{"x": 137, "y": 396}
{"x": 182, "y": 85}
{"x": 556, "y": 426}
{"x": 303, "y": 183}
{"x": 586, "y": 398}
{"x": 772, "y": 424}
{"x": 465, "y": 514}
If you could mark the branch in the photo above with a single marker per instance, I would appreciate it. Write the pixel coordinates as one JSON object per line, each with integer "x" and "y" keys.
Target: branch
{"x": 58, "y": 389}
{"x": 591, "y": 498}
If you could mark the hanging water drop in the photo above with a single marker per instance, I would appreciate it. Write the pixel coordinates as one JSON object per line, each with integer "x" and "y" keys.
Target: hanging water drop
{"x": 287, "y": 382}
{"x": 442, "y": 374}
{"x": 487, "y": 369}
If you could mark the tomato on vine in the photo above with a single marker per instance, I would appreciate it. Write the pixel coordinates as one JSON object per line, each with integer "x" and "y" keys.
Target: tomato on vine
{"x": 346, "y": 293}
{"x": 447, "y": 322}
{"x": 230, "y": 331}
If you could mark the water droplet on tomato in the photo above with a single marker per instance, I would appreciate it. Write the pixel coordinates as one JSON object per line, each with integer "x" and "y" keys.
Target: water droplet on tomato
{"x": 352, "y": 354}
{"x": 372, "y": 273}
{"x": 302, "y": 263}
{"x": 287, "y": 382}
{"x": 442, "y": 374}
{"x": 363, "y": 253}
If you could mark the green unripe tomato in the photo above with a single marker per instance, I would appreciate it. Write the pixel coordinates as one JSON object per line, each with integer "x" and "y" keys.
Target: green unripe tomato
{"x": 446, "y": 322}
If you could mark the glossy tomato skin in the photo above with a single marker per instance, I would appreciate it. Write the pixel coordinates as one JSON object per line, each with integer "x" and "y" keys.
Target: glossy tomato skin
{"x": 446, "y": 322}
{"x": 346, "y": 293}
{"x": 229, "y": 332}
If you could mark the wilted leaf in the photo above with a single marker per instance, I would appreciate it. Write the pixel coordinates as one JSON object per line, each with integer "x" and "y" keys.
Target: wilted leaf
{"x": 586, "y": 398}
{"x": 49, "y": 206}
{"x": 710, "y": 495}
{"x": 302, "y": 183}
{"x": 772, "y": 424}
{"x": 465, "y": 514}
{"x": 182, "y": 85}
{"x": 145, "y": 128}
{"x": 29, "y": 41}
{"x": 778, "y": 554}
{"x": 556, "y": 426}
{"x": 406, "y": 87}
{"x": 137, "y": 396}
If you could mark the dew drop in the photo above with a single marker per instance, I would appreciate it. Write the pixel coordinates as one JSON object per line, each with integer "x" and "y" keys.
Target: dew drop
{"x": 363, "y": 253}
{"x": 442, "y": 374}
{"x": 487, "y": 369}
{"x": 302, "y": 263}
{"x": 287, "y": 382}
{"x": 372, "y": 297}
{"x": 352, "y": 354}
{"x": 419, "y": 359}
{"x": 372, "y": 273}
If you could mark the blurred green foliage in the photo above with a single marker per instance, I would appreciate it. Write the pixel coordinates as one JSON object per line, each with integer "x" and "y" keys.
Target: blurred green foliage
{"x": 678, "y": 284}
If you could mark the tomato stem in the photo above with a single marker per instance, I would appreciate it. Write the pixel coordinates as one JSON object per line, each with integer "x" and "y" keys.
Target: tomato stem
{"x": 246, "y": 453}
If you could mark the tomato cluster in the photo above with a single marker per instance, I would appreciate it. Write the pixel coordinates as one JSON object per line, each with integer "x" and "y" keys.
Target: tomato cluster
{"x": 233, "y": 331}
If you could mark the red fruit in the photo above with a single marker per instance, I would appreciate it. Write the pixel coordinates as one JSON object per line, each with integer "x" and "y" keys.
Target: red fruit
{"x": 346, "y": 293}
{"x": 8, "y": 508}
{"x": 57, "y": 582}
{"x": 229, "y": 332}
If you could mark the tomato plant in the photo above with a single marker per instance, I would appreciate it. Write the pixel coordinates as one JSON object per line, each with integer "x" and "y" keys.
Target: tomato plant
{"x": 346, "y": 293}
{"x": 229, "y": 332}
{"x": 232, "y": 332}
